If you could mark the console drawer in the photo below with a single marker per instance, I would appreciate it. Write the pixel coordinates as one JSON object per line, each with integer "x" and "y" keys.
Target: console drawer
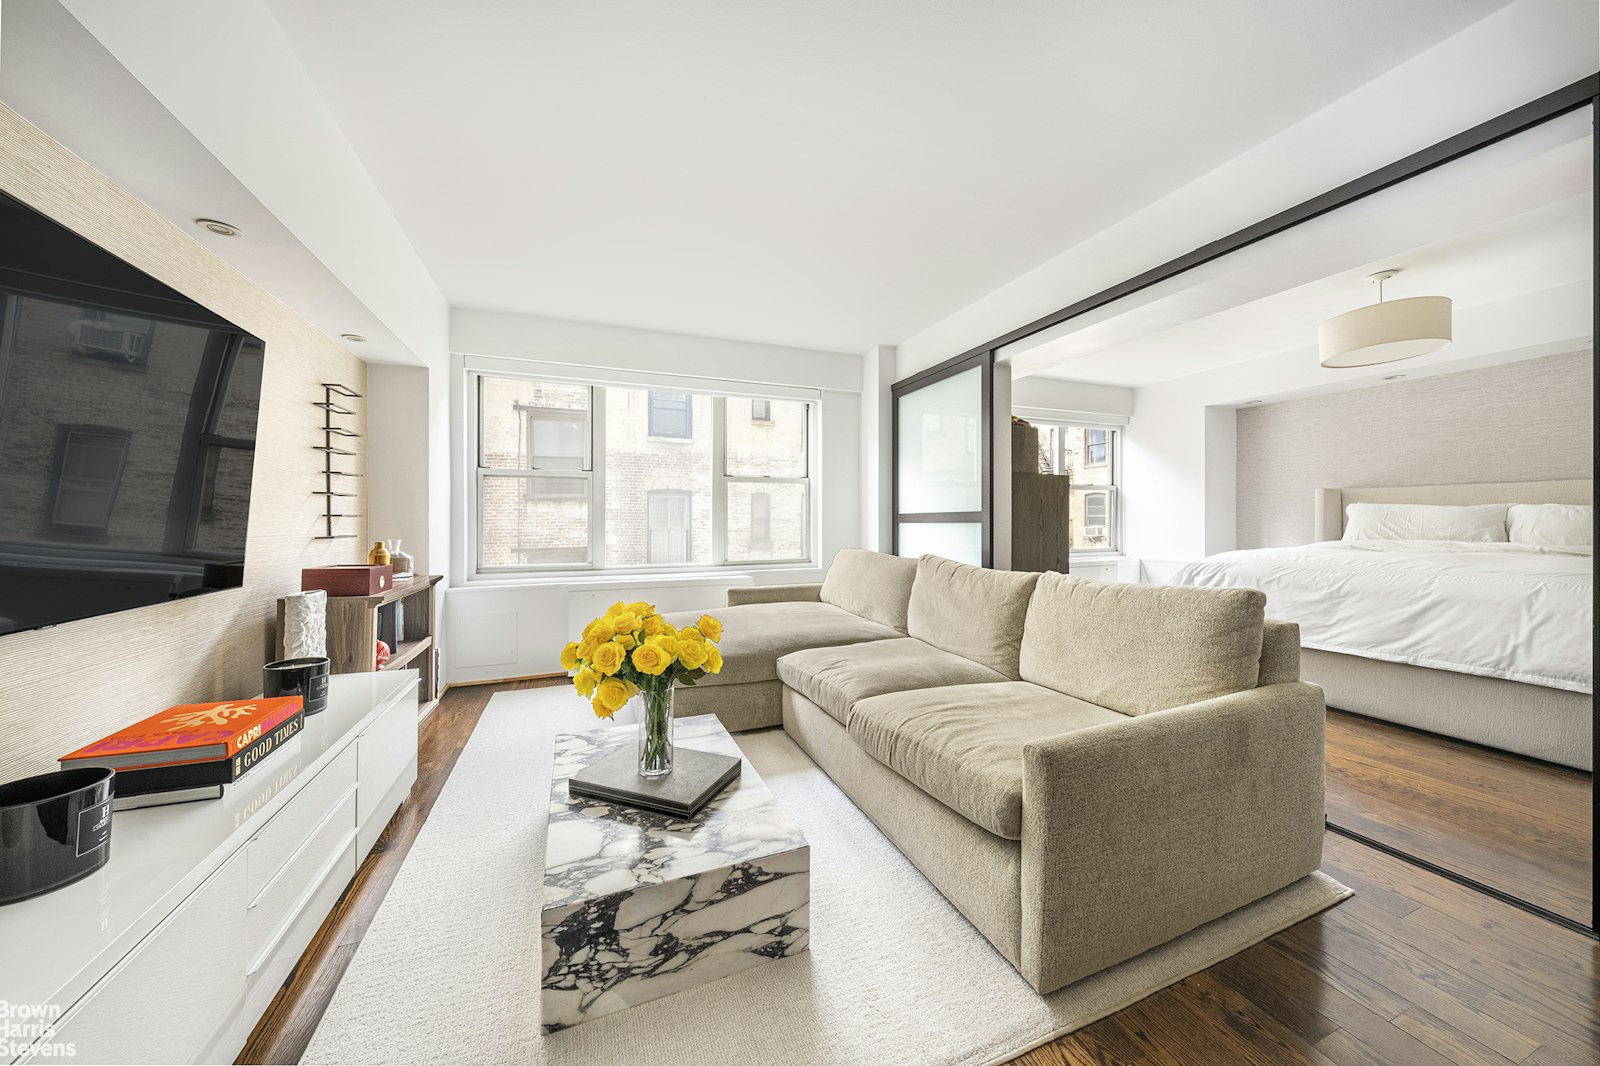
{"x": 387, "y": 751}
{"x": 278, "y": 841}
{"x": 163, "y": 1002}
{"x": 276, "y": 905}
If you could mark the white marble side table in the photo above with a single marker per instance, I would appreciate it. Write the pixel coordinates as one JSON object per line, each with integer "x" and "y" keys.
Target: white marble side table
{"x": 639, "y": 905}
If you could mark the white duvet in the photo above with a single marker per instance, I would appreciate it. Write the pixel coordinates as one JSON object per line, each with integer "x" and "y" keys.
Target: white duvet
{"x": 1515, "y": 611}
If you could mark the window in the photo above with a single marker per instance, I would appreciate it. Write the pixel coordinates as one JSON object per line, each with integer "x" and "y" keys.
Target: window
{"x": 761, "y": 410}
{"x": 1087, "y": 455}
{"x": 88, "y": 471}
{"x": 557, "y": 440}
{"x": 761, "y": 521}
{"x": 613, "y": 477}
{"x": 535, "y": 473}
{"x": 766, "y": 483}
{"x": 227, "y": 443}
{"x": 670, "y": 529}
{"x": 1094, "y": 447}
{"x": 1094, "y": 518}
{"x": 671, "y": 415}
{"x": 119, "y": 339}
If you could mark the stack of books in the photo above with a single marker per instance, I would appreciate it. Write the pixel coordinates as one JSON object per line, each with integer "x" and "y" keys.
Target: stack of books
{"x": 191, "y": 751}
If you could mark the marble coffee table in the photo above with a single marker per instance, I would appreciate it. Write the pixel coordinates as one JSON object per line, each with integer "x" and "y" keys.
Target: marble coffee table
{"x": 639, "y": 905}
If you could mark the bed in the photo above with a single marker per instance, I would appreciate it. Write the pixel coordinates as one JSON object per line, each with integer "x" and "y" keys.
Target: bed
{"x": 1486, "y": 642}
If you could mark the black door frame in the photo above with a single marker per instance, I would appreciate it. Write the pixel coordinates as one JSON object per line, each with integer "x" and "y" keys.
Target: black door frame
{"x": 1584, "y": 92}
{"x": 984, "y": 361}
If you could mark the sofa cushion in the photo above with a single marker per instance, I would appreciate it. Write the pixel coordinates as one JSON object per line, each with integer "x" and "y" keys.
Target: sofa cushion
{"x": 754, "y": 635}
{"x": 836, "y": 678}
{"x": 973, "y": 612}
{"x": 962, "y": 745}
{"x": 1142, "y": 648}
{"x": 873, "y": 585}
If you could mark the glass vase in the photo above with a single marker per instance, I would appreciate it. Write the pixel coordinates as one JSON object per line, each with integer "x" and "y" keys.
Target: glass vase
{"x": 655, "y": 731}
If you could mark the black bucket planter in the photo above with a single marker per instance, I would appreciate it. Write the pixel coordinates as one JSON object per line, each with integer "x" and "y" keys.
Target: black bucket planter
{"x": 54, "y": 830}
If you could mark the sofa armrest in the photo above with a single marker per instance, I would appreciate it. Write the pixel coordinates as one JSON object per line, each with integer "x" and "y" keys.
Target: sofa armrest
{"x": 1139, "y": 830}
{"x": 738, "y": 594}
{"x": 1280, "y": 652}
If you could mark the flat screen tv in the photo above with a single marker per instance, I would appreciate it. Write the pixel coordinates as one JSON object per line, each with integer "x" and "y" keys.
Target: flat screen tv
{"x": 127, "y": 432}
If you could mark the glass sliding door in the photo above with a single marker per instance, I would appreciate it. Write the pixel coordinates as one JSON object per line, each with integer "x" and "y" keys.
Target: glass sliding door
{"x": 943, "y": 485}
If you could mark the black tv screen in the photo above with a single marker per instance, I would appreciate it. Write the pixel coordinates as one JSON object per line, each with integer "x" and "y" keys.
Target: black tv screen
{"x": 127, "y": 432}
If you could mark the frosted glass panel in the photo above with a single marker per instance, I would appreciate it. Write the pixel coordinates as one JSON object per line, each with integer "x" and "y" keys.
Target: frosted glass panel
{"x": 961, "y": 541}
{"x": 941, "y": 447}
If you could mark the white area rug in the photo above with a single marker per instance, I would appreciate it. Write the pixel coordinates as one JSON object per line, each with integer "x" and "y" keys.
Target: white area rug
{"x": 449, "y": 971}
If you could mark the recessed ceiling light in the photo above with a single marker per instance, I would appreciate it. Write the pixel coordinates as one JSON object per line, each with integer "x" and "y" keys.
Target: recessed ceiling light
{"x": 354, "y": 338}
{"x": 221, "y": 229}
{"x": 1393, "y": 377}
{"x": 1249, "y": 402}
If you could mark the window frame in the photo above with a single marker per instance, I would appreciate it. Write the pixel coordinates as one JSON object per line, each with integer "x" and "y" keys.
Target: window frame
{"x": 594, "y": 563}
{"x": 1113, "y": 462}
{"x": 984, "y": 362}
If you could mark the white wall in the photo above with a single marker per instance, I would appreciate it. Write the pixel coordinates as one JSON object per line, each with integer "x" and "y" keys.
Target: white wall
{"x": 552, "y": 340}
{"x": 1179, "y": 464}
{"x": 1532, "y": 47}
{"x": 499, "y": 629}
{"x": 1527, "y": 421}
{"x": 397, "y": 465}
{"x": 1176, "y": 446}
{"x": 1071, "y": 399}
{"x": 877, "y": 413}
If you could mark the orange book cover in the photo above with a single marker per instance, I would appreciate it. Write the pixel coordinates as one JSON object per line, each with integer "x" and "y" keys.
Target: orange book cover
{"x": 190, "y": 732}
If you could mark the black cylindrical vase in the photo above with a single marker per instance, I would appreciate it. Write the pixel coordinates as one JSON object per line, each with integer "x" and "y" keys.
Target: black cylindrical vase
{"x": 54, "y": 829}
{"x": 307, "y": 678}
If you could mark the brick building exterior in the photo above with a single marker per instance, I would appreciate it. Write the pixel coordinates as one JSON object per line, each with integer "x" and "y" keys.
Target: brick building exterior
{"x": 656, "y": 454}
{"x": 95, "y": 421}
{"x": 1089, "y": 458}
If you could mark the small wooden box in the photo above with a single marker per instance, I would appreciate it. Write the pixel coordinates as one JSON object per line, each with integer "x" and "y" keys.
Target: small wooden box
{"x": 359, "y": 579}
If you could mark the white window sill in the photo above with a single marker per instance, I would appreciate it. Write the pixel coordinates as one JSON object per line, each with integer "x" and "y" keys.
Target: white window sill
{"x": 597, "y": 579}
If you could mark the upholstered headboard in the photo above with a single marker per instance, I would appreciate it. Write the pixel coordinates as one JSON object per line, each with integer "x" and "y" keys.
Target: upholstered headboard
{"x": 1332, "y": 502}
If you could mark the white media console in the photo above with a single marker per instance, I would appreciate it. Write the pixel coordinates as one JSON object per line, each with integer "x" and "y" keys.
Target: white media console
{"x": 172, "y": 950}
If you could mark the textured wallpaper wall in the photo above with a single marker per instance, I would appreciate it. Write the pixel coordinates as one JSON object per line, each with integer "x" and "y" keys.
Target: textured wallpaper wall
{"x": 1522, "y": 421}
{"x": 64, "y": 686}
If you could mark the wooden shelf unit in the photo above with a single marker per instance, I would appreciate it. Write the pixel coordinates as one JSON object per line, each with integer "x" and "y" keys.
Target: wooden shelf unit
{"x": 353, "y": 634}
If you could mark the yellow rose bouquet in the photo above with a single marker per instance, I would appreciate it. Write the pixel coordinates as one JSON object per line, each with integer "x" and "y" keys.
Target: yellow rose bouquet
{"x": 632, "y": 651}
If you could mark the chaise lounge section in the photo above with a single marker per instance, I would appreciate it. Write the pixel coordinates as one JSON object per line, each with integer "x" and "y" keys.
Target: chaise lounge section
{"x": 1085, "y": 770}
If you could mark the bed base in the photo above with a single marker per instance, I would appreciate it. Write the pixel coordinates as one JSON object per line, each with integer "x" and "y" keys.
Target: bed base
{"x": 1544, "y": 723}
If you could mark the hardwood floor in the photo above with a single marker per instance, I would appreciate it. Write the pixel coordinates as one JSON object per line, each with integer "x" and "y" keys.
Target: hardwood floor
{"x": 1414, "y": 969}
{"x": 1521, "y": 826}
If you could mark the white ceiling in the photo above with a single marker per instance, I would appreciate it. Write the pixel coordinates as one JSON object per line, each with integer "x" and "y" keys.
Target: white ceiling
{"x": 55, "y": 74}
{"x": 1504, "y": 223}
{"x": 820, "y": 173}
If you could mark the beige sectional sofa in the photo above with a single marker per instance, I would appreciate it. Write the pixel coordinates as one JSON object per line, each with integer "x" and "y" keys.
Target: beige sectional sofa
{"x": 1085, "y": 770}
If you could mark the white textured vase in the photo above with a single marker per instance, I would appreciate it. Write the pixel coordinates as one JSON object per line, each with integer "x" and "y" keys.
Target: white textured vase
{"x": 305, "y": 625}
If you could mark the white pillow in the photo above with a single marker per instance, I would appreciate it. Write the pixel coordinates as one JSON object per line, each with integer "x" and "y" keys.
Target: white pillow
{"x": 1479, "y": 523}
{"x": 1552, "y": 525}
